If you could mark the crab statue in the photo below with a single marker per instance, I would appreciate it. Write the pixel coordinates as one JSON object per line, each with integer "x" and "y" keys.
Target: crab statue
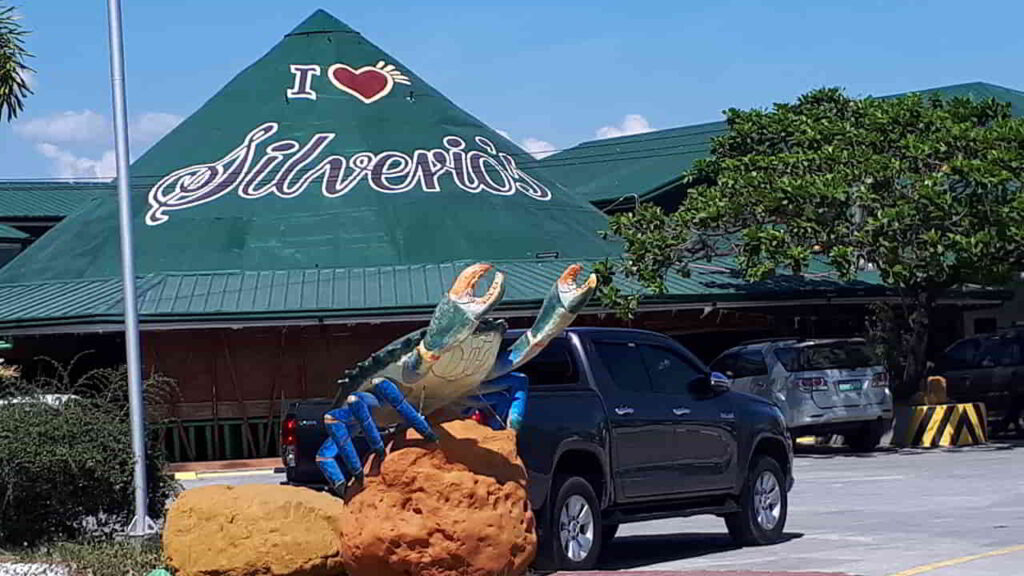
{"x": 456, "y": 364}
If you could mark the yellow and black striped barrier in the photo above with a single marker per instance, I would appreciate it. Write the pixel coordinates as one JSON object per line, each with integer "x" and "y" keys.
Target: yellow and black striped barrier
{"x": 940, "y": 425}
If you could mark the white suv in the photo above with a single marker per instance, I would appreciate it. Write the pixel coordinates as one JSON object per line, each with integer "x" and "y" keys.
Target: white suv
{"x": 823, "y": 387}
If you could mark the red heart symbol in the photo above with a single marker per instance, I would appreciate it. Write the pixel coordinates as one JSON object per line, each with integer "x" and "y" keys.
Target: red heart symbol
{"x": 367, "y": 83}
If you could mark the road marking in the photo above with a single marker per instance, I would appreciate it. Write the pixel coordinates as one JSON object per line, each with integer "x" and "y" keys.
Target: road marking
{"x": 846, "y": 478}
{"x": 960, "y": 560}
{"x": 224, "y": 474}
{"x": 236, "y": 473}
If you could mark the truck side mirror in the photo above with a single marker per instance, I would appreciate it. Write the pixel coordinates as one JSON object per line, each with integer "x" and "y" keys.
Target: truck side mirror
{"x": 719, "y": 380}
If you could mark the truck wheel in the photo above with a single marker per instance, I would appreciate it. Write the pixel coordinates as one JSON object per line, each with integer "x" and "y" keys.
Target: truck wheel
{"x": 574, "y": 536}
{"x": 763, "y": 506}
{"x": 867, "y": 438}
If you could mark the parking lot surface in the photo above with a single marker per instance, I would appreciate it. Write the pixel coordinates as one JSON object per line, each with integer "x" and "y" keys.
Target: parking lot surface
{"x": 877, "y": 514}
{"x": 890, "y": 513}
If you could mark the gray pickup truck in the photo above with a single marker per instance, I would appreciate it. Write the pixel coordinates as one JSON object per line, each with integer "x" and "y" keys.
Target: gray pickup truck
{"x": 623, "y": 426}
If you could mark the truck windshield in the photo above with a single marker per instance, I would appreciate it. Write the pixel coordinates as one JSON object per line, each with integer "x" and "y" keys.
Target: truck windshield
{"x": 832, "y": 355}
{"x": 555, "y": 365}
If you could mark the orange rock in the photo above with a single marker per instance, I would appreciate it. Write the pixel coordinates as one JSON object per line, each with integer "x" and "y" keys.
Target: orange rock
{"x": 458, "y": 510}
{"x": 250, "y": 530}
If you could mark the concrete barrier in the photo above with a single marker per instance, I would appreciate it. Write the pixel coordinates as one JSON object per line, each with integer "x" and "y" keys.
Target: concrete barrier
{"x": 940, "y": 425}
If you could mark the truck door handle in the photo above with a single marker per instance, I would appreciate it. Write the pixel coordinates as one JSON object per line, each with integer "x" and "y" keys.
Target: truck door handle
{"x": 680, "y": 411}
{"x": 623, "y": 410}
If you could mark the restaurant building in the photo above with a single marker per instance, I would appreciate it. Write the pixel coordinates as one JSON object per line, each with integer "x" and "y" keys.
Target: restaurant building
{"x": 311, "y": 211}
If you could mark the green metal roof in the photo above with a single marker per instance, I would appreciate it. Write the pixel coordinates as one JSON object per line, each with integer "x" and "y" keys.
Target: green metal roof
{"x": 228, "y": 296}
{"x": 617, "y": 169}
{"x": 977, "y": 91}
{"x": 265, "y": 177}
{"x": 47, "y": 199}
{"x": 10, "y": 233}
{"x": 643, "y": 166}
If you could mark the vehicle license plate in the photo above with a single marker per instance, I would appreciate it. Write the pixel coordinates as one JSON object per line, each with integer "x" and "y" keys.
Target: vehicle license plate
{"x": 850, "y": 385}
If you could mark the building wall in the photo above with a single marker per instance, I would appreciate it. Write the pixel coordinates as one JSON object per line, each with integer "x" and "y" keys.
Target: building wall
{"x": 1006, "y": 316}
{"x": 231, "y": 384}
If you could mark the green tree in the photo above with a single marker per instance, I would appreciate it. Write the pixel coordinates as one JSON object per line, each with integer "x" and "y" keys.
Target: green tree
{"x": 14, "y": 71}
{"x": 925, "y": 191}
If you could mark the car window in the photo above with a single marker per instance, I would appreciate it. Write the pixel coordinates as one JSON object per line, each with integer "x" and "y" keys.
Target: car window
{"x": 961, "y": 356}
{"x": 555, "y": 365}
{"x": 999, "y": 352}
{"x": 670, "y": 373}
{"x": 826, "y": 356}
{"x": 625, "y": 365}
{"x": 750, "y": 363}
{"x": 726, "y": 364}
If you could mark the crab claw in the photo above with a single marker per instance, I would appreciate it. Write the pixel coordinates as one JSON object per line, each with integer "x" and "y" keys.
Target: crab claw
{"x": 571, "y": 293}
{"x": 459, "y": 312}
{"x": 463, "y": 291}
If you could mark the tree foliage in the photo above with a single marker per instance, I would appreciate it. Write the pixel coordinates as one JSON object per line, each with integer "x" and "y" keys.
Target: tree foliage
{"x": 14, "y": 71}
{"x": 923, "y": 190}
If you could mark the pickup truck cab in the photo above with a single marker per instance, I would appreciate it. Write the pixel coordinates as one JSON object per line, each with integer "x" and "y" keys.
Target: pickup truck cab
{"x": 624, "y": 426}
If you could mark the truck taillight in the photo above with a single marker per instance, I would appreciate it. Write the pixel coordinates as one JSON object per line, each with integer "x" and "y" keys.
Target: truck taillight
{"x": 290, "y": 431}
{"x": 289, "y": 441}
{"x": 812, "y": 384}
{"x": 880, "y": 380}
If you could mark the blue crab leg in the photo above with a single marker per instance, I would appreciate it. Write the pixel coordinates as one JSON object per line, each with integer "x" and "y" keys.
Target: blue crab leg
{"x": 505, "y": 396}
{"x": 359, "y": 405}
{"x": 339, "y": 441}
{"x": 387, "y": 391}
{"x": 356, "y": 411}
{"x": 566, "y": 298}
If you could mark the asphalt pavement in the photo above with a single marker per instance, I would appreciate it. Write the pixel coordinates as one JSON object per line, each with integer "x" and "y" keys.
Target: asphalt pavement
{"x": 947, "y": 512}
{"x": 885, "y": 513}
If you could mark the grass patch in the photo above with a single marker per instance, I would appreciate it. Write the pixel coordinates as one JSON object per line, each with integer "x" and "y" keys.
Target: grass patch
{"x": 99, "y": 557}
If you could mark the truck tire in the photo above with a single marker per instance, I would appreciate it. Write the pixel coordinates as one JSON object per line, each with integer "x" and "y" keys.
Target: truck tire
{"x": 763, "y": 506}
{"x": 573, "y": 536}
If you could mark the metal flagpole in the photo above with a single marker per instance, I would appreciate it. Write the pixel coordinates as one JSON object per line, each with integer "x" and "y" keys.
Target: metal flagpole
{"x": 141, "y": 523}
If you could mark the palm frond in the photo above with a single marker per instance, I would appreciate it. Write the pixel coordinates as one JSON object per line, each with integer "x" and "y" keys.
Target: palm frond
{"x": 14, "y": 71}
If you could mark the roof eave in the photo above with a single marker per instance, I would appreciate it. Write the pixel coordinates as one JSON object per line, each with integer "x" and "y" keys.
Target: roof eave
{"x": 155, "y": 322}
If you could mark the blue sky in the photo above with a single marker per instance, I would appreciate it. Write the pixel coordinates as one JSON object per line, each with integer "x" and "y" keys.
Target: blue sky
{"x": 551, "y": 74}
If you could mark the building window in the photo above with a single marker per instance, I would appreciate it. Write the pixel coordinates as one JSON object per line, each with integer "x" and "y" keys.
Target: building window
{"x": 985, "y": 325}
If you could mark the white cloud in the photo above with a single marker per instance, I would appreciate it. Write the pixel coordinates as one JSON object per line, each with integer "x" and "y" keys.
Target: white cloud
{"x": 631, "y": 124}
{"x": 90, "y": 134}
{"x": 68, "y": 165}
{"x": 69, "y": 126}
{"x": 539, "y": 148}
{"x": 90, "y": 126}
{"x": 152, "y": 126}
{"x": 535, "y": 146}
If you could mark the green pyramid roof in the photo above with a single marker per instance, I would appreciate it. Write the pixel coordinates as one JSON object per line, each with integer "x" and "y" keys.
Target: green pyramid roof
{"x": 326, "y": 153}
{"x": 319, "y": 22}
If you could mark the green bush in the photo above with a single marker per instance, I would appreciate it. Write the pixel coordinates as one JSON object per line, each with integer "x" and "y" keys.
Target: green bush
{"x": 66, "y": 469}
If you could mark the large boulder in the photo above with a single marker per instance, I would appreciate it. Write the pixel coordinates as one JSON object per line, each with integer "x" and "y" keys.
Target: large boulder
{"x": 460, "y": 509}
{"x": 254, "y": 530}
